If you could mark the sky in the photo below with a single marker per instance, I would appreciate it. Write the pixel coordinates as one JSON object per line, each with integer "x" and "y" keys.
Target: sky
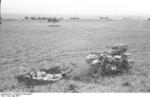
{"x": 77, "y": 7}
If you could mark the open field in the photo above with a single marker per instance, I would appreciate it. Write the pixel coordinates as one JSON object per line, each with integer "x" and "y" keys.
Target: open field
{"x": 26, "y": 45}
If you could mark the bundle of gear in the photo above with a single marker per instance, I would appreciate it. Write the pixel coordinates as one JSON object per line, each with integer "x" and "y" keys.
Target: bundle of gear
{"x": 112, "y": 61}
{"x": 43, "y": 76}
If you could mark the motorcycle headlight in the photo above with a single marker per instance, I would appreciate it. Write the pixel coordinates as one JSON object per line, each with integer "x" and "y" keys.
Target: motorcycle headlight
{"x": 90, "y": 58}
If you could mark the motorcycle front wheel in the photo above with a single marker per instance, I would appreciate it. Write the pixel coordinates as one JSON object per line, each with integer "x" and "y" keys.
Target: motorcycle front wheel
{"x": 96, "y": 71}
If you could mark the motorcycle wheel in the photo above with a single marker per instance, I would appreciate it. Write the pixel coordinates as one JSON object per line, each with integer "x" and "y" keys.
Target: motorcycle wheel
{"x": 126, "y": 65}
{"x": 96, "y": 71}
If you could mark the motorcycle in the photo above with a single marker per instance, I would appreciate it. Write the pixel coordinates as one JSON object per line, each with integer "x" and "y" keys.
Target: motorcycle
{"x": 102, "y": 63}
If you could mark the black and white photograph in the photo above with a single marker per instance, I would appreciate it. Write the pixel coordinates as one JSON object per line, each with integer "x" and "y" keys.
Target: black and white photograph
{"x": 74, "y": 46}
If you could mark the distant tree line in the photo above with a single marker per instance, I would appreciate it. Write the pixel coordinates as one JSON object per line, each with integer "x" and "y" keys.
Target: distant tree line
{"x": 103, "y": 18}
{"x": 54, "y": 19}
{"x": 74, "y": 18}
{"x": 49, "y": 19}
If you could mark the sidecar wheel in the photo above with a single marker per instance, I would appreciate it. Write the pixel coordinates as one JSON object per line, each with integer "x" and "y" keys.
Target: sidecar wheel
{"x": 126, "y": 65}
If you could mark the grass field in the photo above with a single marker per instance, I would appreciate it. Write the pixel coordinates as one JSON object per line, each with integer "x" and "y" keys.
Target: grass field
{"x": 25, "y": 45}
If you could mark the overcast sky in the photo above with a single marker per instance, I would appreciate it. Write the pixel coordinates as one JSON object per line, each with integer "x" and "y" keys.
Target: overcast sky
{"x": 78, "y": 7}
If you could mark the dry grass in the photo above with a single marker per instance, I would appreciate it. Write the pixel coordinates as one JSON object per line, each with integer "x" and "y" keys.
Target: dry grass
{"x": 26, "y": 45}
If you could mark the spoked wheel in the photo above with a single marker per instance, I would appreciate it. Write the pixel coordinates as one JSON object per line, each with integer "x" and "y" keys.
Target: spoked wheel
{"x": 96, "y": 71}
{"x": 126, "y": 65}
